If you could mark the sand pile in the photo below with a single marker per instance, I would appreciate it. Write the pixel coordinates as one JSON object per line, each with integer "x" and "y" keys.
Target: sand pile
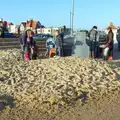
{"x": 59, "y": 82}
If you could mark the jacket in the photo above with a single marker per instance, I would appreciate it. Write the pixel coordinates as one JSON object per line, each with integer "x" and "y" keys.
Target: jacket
{"x": 118, "y": 35}
{"x": 50, "y": 43}
{"x": 93, "y": 35}
{"x": 59, "y": 41}
{"x": 23, "y": 39}
{"x": 1, "y": 32}
{"x": 110, "y": 39}
{"x": 25, "y": 43}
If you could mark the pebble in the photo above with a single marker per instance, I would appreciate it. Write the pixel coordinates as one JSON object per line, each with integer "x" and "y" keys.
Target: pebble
{"x": 59, "y": 81}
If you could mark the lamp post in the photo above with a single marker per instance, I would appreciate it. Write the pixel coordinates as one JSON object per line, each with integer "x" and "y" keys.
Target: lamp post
{"x": 72, "y": 17}
{"x": 70, "y": 21}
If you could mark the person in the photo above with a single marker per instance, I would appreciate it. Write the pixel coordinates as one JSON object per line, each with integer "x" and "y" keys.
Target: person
{"x": 59, "y": 44}
{"x": 49, "y": 45}
{"x": 102, "y": 43}
{"x": 22, "y": 40}
{"x": 1, "y": 32}
{"x": 28, "y": 45}
{"x": 118, "y": 37}
{"x": 110, "y": 42}
{"x": 93, "y": 38}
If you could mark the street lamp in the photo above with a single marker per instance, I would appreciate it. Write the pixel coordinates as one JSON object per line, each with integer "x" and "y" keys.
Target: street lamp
{"x": 70, "y": 21}
{"x": 72, "y": 17}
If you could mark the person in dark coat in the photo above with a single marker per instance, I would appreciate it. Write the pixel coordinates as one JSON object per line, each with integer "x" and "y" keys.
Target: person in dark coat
{"x": 28, "y": 45}
{"x": 118, "y": 37}
{"x": 23, "y": 40}
{"x": 93, "y": 40}
{"x": 110, "y": 42}
{"x": 59, "y": 44}
{"x": 1, "y": 32}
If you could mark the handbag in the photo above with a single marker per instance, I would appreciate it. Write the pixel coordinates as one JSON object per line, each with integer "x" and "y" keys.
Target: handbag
{"x": 105, "y": 52}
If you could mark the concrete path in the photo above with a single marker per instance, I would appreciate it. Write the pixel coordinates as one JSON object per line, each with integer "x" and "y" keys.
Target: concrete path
{"x": 80, "y": 48}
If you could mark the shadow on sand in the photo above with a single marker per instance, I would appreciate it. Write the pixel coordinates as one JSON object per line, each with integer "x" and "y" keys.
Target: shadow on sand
{"x": 6, "y": 100}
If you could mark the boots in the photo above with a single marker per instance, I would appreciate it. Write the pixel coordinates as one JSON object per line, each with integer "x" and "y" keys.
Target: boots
{"x": 111, "y": 58}
{"x": 93, "y": 55}
{"x": 111, "y": 55}
{"x": 90, "y": 54}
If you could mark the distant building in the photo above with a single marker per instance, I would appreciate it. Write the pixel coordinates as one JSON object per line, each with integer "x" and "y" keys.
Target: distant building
{"x": 33, "y": 25}
{"x": 1, "y": 19}
{"x": 9, "y": 26}
{"x": 52, "y": 30}
{"x": 5, "y": 25}
{"x": 48, "y": 30}
{"x": 14, "y": 29}
{"x": 22, "y": 27}
{"x": 1, "y": 22}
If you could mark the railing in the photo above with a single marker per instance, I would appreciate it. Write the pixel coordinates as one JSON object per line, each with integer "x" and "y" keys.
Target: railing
{"x": 14, "y": 43}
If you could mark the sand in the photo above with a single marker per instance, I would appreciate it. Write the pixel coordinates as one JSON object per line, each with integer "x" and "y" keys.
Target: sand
{"x": 57, "y": 88}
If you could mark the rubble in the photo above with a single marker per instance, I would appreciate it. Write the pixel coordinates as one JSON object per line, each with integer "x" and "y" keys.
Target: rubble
{"x": 62, "y": 81}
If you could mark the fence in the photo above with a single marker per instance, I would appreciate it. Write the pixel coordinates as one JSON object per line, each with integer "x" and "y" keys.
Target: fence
{"x": 8, "y": 43}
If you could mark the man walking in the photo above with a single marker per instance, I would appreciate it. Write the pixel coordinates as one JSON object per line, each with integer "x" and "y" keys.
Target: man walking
{"x": 59, "y": 44}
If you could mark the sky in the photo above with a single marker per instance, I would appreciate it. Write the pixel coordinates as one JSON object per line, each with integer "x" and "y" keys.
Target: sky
{"x": 57, "y": 12}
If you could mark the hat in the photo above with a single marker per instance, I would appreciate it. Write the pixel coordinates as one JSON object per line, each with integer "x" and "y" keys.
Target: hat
{"x": 94, "y": 27}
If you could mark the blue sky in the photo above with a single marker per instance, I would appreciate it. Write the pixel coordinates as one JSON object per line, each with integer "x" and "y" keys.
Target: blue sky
{"x": 57, "y": 12}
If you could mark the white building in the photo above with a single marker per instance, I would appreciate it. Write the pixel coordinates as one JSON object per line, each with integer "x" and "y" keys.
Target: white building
{"x": 22, "y": 27}
{"x": 1, "y": 21}
{"x": 51, "y": 31}
{"x": 14, "y": 28}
